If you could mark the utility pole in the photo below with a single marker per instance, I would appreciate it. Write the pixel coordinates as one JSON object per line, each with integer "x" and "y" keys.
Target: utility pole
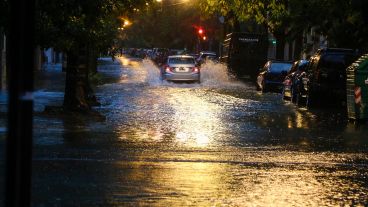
{"x": 20, "y": 114}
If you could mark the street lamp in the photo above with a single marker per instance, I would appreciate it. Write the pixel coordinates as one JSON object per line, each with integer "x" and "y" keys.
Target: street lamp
{"x": 127, "y": 23}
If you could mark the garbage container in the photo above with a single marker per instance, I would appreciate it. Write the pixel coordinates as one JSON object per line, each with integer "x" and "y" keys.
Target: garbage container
{"x": 357, "y": 89}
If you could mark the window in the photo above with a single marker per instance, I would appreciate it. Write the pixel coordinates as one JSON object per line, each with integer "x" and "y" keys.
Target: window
{"x": 279, "y": 67}
{"x": 181, "y": 60}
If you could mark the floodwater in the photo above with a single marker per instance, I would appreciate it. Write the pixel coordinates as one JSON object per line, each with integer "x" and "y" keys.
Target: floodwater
{"x": 217, "y": 143}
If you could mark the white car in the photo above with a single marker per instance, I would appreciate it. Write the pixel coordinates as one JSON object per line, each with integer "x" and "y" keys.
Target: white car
{"x": 180, "y": 68}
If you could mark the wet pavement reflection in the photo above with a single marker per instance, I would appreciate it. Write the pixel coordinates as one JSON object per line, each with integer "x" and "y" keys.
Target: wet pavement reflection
{"x": 217, "y": 143}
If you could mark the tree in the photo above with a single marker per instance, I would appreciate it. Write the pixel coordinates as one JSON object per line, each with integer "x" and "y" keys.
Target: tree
{"x": 4, "y": 7}
{"x": 168, "y": 25}
{"x": 80, "y": 29}
{"x": 272, "y": 14}
{"x": 342, "y": 21}
{"x": 4, "y": 12}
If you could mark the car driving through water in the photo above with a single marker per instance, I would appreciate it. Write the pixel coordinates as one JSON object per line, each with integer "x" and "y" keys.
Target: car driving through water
{"x": 180, "y": 68}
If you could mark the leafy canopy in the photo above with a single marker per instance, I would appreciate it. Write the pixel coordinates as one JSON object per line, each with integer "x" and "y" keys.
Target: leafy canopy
{"x": 65, "y": 24}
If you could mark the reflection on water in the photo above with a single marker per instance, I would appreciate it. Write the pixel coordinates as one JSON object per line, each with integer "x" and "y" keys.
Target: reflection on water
{"x": 124, "y": 61}
{"x": 300, "y": 120}
{"x": 195, "y": 120}
{"x": 218, "y": 143}
{"x": 219, "y": 184}
{"x": 182, "y": 117}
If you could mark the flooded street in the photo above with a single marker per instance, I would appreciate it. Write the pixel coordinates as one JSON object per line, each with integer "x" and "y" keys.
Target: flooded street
{"x": 217, "y": 143}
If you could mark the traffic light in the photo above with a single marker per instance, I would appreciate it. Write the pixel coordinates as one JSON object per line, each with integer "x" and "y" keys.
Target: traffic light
{"x": 200, "y": 31}
{"x": 273, "y": 41}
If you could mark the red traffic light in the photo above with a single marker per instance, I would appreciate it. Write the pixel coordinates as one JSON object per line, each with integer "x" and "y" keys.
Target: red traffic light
{"x": 200, "y": 31}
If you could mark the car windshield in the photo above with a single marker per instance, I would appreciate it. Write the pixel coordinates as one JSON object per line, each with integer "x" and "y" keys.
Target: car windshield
{"x": 181, "y": 60}
{"x": 279, "y": 67}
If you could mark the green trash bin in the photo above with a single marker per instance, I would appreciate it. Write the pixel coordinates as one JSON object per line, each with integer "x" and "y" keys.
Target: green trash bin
{"x": 357, "y": 89}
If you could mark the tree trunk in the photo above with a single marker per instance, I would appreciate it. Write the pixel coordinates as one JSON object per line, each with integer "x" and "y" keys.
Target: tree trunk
{"x": 76, "y": 85}
{"x": 291, "y": 50}
{"x": 92, "y": 70}
{"x": 298, "y": 46}
{"x": 92, "y": 59}
{"x": 64, "y": 62}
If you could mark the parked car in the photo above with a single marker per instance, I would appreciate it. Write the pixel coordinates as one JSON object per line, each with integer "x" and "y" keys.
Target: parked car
{"x": 272, "y": 75}
{"x": 180, "y": 68}
{"x": 292, "y": 80}
{"x": 325, "y": 78}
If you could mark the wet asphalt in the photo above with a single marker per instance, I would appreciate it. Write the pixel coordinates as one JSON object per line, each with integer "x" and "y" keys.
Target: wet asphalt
{"x": 217, "y": 143}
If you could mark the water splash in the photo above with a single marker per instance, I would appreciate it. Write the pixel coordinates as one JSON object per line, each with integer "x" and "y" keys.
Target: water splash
{"x": 215, "y": 74}
{"x": 153, "y": 72}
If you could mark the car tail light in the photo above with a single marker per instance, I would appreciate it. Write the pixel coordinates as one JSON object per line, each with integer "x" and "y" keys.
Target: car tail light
{"x": 287, "y": 82}
{"x": 195, "y": 69}
{"x": 168, "y": 69}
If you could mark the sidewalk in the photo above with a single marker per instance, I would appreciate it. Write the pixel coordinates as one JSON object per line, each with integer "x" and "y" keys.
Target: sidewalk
{"x": 49, "y": 86}
{"x": 50, "y": 83}
{"x": 54, "y": 135}
{"x": 51, "y": 78}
